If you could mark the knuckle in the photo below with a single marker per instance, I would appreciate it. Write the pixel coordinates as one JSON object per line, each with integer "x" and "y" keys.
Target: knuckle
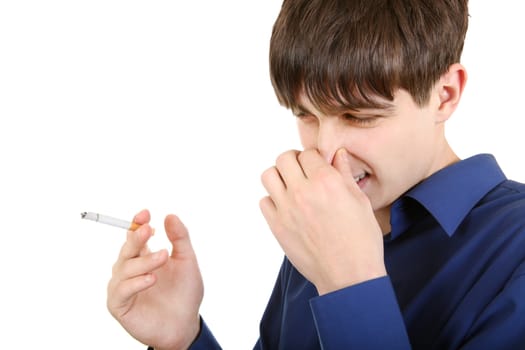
{"x": 286, "y": 156}
{"x": 301, "y": 196}
{"x": 267, "y": 174}
{"x": 281, "y": 159}
{"x": 264, "y": 203}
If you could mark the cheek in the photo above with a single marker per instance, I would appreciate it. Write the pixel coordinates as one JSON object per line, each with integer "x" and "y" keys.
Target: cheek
{"x": 384, "y": 150}
{"x": 403, "y": 154}
{"x": 400, "y": 141}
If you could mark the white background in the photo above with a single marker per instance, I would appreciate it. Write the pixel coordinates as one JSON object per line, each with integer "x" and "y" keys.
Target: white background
{"x": 114, "y": 106}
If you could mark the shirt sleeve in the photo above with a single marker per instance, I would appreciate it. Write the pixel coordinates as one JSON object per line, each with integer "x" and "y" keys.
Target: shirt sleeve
{"x": 205, "y": 339}
{"x": 502, "y": 324}
{"x": 363, "y": 316}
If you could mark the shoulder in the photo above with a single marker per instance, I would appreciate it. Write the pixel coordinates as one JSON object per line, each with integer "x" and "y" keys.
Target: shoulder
{"x": 512, "y": 187}
{"x": 500, "y": 216}
{"x": 507, "y": 198}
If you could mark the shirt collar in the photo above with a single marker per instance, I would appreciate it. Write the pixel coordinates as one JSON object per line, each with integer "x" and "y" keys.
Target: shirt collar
{"x": 450, "y": 193}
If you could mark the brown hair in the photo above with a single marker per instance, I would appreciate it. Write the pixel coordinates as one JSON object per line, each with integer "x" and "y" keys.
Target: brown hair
{"x": 346, "y": 53}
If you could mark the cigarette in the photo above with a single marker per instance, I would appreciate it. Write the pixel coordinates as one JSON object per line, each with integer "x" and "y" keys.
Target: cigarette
{"x": 127, "y": 225}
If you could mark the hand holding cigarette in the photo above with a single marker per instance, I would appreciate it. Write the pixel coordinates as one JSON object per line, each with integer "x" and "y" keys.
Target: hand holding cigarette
{"x": 144, "y": 284}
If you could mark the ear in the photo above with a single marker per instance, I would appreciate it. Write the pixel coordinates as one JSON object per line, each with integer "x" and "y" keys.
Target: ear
{"x": 450, "y": 88}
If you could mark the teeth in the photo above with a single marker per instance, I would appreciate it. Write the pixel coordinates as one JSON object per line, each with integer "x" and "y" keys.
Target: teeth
{"x": 360, "y": 177}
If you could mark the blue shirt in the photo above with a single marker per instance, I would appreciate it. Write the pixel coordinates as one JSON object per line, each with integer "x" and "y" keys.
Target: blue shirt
{"x": 456, "y": 276}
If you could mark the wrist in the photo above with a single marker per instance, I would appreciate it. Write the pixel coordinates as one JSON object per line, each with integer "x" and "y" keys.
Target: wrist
{"x": 184, "y": 344}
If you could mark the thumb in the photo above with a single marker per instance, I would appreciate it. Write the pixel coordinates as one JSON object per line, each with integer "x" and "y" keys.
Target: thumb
{"x": 179, "y": 237}
{"x": 341, "y": 163}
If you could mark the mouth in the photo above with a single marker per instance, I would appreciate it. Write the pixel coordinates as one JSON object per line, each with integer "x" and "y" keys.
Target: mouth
{"x": 359, "y": 178}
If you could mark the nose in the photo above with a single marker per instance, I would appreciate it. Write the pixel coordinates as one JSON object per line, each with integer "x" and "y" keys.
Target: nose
{"x": 329, "y": 139}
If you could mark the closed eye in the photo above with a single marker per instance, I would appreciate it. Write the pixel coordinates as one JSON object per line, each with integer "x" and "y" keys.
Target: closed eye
{"x": 361, "y": 120}
{"x": 305, "y": 117}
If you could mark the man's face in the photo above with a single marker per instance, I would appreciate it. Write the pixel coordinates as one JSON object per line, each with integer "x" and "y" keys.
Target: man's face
{"x": 391, "y": 149}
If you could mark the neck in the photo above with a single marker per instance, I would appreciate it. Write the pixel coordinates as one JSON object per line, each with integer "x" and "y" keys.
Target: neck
{"x": 383, "y": 219}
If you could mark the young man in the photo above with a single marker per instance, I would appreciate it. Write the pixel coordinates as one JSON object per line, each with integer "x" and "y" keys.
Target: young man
{"x": 391, "y": 241}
